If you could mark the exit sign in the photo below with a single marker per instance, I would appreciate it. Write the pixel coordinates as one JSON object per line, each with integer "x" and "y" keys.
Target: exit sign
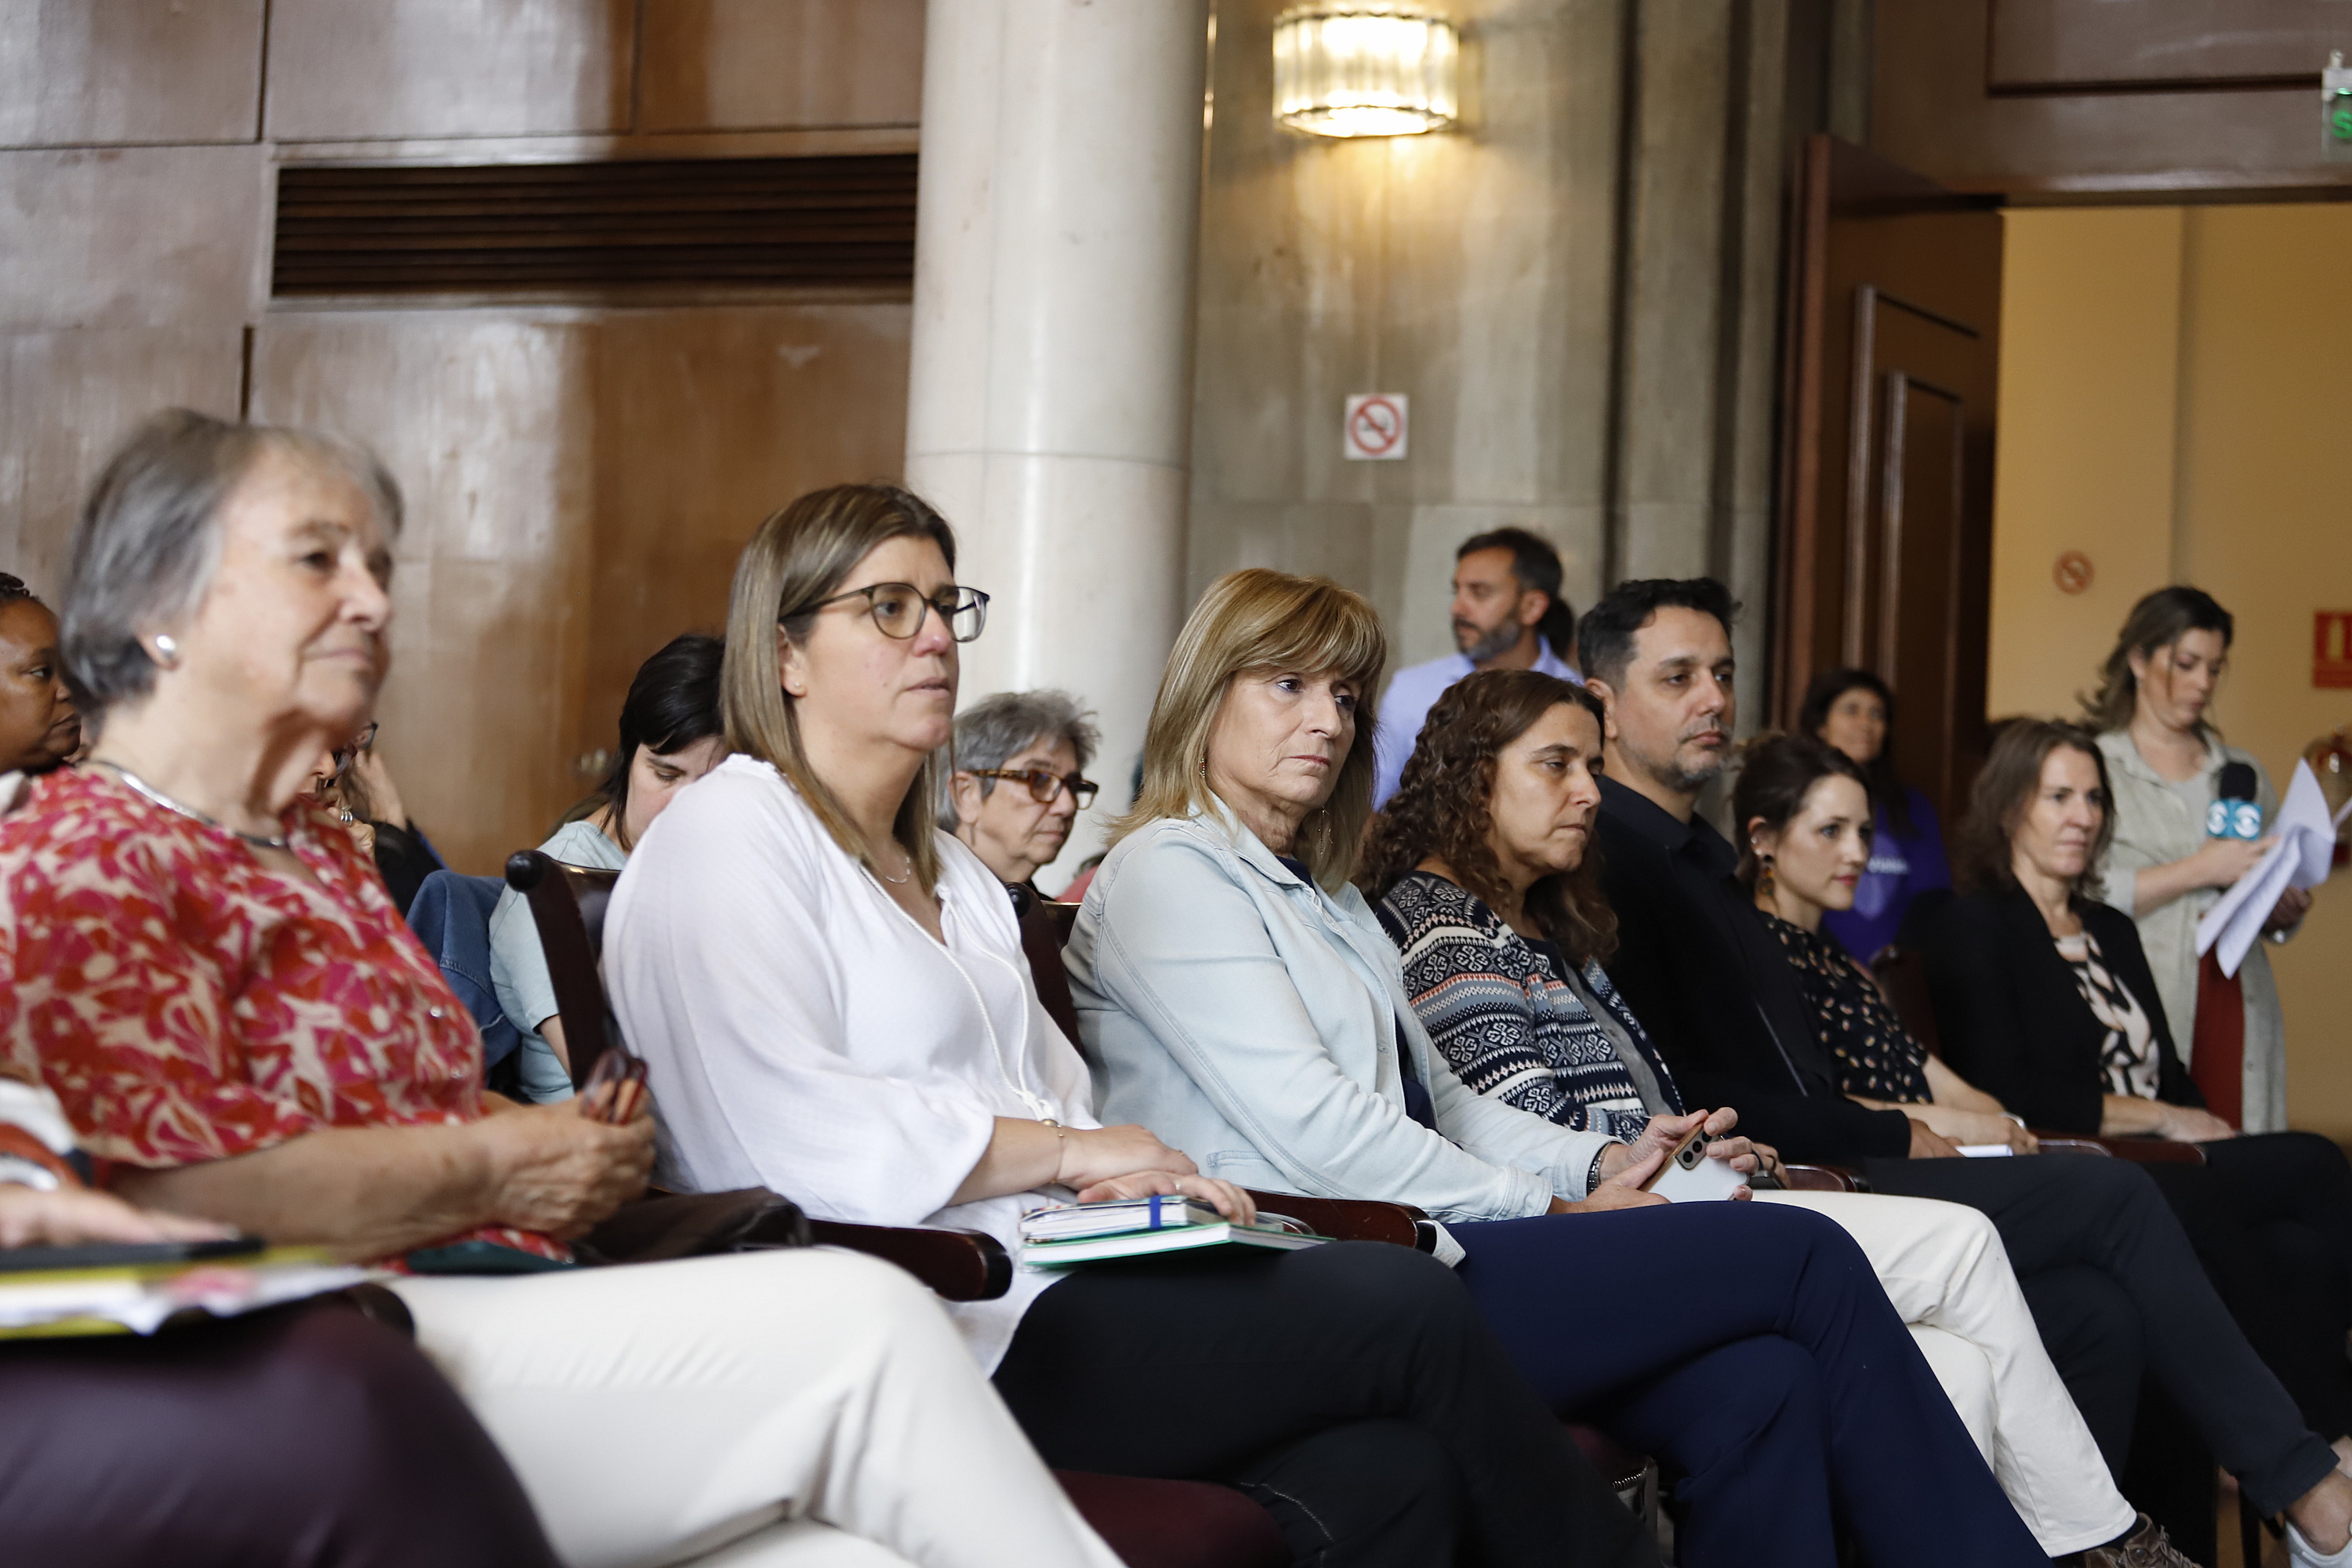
{"x": 2331, "y": 648}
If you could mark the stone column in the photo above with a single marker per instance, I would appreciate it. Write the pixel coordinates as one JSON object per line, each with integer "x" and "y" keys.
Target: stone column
{"x": 1051, "y": 387}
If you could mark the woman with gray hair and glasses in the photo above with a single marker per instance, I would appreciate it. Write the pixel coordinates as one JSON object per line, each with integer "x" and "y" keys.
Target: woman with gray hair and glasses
{"x": 207, "y": 971}
{"x": 1018, "y": 784}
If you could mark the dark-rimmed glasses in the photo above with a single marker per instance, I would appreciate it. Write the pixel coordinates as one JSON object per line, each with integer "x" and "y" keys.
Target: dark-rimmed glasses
{"x": 898, "y": 608}
{"x": 1045, "y": 785}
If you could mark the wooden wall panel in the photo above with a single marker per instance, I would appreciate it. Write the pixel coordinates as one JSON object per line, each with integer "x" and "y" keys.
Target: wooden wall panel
{"x": 67, "y": 399}
{"x": 579, "y": 484}
{"x": 2051, "y": 45}
{"x": 342, "y": 69}
{"x": 132, "y": 236}
{"x": 761, "y": 65}
{"x": 483, "y": 419}
{"x": 78, "y": 72}
{"x": 707, "y": 421}
{"x": 1933, "y": 109}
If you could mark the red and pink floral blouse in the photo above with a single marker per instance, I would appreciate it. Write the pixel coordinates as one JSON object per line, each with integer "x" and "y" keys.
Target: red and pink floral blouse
{"x": 187, "y": 1003}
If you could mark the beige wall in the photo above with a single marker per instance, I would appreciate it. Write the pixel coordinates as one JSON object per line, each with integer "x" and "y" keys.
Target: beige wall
{"x": 2172, "y": 405}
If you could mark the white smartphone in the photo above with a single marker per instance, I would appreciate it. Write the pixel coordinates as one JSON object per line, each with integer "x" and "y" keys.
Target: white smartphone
{"x": 1706, "y": 1182}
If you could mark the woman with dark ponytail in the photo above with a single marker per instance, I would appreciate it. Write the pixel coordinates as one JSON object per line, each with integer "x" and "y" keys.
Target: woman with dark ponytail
{"x": 670, "y": 737}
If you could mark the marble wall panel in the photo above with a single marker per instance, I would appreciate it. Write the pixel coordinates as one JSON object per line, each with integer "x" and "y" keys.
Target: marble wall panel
{"x": 1471, "y": 272}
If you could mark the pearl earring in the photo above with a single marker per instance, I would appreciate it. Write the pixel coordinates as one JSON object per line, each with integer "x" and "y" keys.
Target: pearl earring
{"x": 167, "y": 651}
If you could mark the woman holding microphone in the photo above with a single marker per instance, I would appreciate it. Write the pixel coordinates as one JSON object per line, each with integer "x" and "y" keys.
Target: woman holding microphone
{"x": 2168, "y": 765}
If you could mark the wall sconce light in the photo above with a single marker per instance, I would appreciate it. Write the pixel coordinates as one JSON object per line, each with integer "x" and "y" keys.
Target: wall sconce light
{"x": 1365, "y": 67}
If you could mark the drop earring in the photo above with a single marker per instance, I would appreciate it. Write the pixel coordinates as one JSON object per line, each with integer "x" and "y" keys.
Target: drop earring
{"x": 167, "y": 650}
{"x": 1764, "y": 875}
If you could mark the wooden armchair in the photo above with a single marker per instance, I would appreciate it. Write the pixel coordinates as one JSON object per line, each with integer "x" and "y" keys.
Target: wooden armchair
{"x": 567, "y": 906}
{"x": 1045, "y": 927}
{"x": 1902, "y": 976}
{"x": 1150, "y": 1523}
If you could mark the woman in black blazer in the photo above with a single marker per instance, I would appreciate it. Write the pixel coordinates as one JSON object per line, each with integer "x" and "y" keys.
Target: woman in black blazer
{"x": 2012, "y": 1021}
{"x": 2043, "y": 999}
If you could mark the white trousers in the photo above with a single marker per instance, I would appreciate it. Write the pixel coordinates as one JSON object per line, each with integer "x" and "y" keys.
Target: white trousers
{"x": 795, "y": 1409}
{"x": 1948, "y": 1274}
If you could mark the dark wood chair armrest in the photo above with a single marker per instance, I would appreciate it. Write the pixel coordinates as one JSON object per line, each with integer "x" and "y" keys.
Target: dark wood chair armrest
{"x": 1824, "y": 1179}
{"x": 2140, "y": 1151}
{"x": 959, "y": 1265}
{"x": 2070, "y": 1143}
{"x": 1347, "y": 1219}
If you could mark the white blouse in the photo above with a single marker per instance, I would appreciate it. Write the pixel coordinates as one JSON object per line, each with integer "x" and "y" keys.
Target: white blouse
{"x": 803, "y": 1033}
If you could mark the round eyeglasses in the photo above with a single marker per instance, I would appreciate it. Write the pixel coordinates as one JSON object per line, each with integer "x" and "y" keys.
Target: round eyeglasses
{"x": 898, "y": 608}
{"x": 1045, "y": 785}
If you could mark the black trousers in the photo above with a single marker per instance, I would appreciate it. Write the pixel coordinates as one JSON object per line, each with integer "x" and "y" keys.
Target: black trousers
{"x": 2114, "y": 1285}
{"x": 2271, "y": 1218}
{"x": 1351, "y": 1388}
{"x": 307, "y": 1437}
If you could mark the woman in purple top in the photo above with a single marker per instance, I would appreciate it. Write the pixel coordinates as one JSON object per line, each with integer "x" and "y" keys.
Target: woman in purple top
{"x": 1854, "y": 710}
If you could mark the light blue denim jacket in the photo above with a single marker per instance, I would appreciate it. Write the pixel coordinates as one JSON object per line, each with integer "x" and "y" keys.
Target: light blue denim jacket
{"x": 1251, "y": 1020}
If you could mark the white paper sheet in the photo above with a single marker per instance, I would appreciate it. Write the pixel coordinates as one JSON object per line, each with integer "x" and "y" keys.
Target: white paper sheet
{"x": 2304, "y": 837}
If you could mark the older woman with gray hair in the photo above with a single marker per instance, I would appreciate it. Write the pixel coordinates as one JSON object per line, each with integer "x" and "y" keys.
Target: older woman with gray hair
{"x": 203, "y": 967}
{"x": 1020, "y": 758}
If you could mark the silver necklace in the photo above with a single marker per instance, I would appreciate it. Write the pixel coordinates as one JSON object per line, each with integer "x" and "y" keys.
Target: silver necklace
{"x": 259, "y": 840}
{"x": 900, "y": 879}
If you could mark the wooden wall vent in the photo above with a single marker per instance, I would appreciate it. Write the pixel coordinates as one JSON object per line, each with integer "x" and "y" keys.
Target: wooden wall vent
{"x": 829, "y": 221}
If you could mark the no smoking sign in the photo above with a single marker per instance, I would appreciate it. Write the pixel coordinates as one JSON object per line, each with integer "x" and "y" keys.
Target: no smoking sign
{"x": 1375, "y": 427}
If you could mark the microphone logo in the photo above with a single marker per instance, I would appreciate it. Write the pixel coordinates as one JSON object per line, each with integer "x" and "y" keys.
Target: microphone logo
{"x": 2235, "y": 813}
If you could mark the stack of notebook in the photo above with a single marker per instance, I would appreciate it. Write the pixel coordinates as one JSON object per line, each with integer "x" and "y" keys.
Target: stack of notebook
{"x": 1064, "y": 1234}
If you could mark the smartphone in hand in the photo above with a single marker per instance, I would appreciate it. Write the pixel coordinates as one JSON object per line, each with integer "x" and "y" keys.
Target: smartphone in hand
{"x": 1689, "y": 1176}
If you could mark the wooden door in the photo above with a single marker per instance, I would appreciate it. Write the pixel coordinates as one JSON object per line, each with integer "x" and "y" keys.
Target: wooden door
{"x": 1885, "y": 543}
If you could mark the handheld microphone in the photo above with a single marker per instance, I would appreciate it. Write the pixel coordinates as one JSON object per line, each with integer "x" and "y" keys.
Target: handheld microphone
{"x": 2235, "y": 813}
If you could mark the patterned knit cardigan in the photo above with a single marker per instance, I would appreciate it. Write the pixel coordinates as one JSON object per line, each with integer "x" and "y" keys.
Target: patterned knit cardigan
{"x": 1511, "y": 1027}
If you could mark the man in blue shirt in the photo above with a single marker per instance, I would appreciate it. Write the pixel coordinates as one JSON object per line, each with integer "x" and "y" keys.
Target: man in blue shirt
{"x": 1507, "y": 614}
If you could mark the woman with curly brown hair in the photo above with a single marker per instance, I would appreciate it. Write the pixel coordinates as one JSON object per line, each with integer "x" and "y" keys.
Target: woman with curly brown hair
{"x": 1489, "y": 884}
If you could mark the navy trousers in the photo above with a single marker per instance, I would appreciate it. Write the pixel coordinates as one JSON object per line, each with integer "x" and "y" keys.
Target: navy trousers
{"x": 1751, "y": 1346}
